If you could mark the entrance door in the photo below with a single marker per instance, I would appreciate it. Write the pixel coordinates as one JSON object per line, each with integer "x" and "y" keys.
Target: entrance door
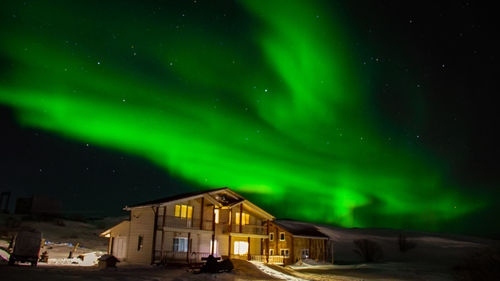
{"x": 241, "y": 248}
{"x": 120, "y": 247}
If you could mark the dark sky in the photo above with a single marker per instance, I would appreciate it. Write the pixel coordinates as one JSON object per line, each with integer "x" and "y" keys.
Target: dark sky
{"x": 430, "y": 69}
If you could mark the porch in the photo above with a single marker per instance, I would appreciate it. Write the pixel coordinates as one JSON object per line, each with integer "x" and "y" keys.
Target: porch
{"x": 279, "y": 260}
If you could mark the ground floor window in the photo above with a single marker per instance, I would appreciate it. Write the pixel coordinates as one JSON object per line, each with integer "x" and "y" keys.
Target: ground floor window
{"x": 213, "y": 247}
{"x": 240, "y": 248}
{"x": 180, "y": 244}
{"x": 139, "y": 243}
{"x": 271, "y": 252}
{"x": 305, "y": 253}
{"x": 284, "y": 252}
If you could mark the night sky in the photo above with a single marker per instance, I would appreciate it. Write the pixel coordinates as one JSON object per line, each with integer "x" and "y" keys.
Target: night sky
{"x": 363, "y": 114}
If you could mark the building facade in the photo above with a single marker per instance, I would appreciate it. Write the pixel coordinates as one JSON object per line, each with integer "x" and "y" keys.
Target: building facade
{"x": 188, "y": 227}
{"x": 291, "y": 241}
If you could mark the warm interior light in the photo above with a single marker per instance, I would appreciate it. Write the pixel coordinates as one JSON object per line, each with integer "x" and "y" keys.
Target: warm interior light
{"x": 216, "y": 212}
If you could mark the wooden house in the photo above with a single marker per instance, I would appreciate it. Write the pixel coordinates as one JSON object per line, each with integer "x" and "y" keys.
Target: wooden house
{"x": 187, "y": 227}
{"x": 290, "y": 241}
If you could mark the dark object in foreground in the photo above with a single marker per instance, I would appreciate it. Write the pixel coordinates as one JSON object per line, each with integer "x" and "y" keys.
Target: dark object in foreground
{"x": 480, "y": 265}
{"x": 44, "y": 257}
{"x": 213, "y": 266}
{"x": 404, "y": 244}
{"x": 26, "y": 247}
{"x": 107, "y": 261}
{"x": 369, "y": 250}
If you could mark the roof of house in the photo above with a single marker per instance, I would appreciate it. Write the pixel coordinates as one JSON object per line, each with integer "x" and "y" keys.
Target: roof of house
{"x": 300, "y": 229}
{"x": 175, "y": 197}
{"x": 221, "y": 197}
{"x": 108, "y": 231}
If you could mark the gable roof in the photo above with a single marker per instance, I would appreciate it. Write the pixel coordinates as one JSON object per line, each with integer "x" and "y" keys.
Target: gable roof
{"x": 300, "y": 229}
{"x": 174, "y": 198}
{"x": 233, "y": 199}
{"x": 108, "y": 231}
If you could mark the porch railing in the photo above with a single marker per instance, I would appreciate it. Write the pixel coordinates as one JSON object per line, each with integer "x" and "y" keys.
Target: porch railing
{"x": 272, "y": 259}
{"x": 177, "y": 222}
{"x": 248, "y": 229}
{"x": 179, "y": 257}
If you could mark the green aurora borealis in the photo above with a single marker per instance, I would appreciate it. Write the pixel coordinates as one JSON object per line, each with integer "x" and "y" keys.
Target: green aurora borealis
{"x": 271, "y": 104}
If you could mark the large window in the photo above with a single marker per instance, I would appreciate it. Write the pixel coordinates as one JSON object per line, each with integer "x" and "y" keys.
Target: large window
{"x": 240, "y": 248}
{"x": 184, "y": 211}
{"x": 180, "y": 244}
{"x": 244, "y": 220}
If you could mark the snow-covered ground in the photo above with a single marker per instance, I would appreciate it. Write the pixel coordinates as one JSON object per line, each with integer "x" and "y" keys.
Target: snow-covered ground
{"x": 122, "y": 273}
{"x": 435, "y": 257}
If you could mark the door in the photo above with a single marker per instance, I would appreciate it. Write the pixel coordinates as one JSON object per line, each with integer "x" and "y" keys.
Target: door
{"x": 241, "y": 248}
{"x": 120, "y": 247}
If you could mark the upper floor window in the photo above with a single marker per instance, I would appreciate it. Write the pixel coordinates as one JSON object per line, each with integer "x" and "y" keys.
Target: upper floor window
{"x": 282, "y": 236}
{"x": 216, "y": 215}
{"x": 271, "y": 236}
{"x": 184, "y": 211}
{"x": 244, "y": 220}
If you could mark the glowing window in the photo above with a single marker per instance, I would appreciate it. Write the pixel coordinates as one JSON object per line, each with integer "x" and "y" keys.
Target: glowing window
{"x": 212, "y": 244}
{"x": 177, "y": 210}
{"x": 216, "y": 214}
{"x": 240, "y": 248}
{"x": 245, "y": 219}
{"x": 183, "y": 211}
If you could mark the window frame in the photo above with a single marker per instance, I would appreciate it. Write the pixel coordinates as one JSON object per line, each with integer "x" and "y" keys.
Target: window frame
{"x": 180, "y": 247}
{"x": 284, "y": 237}
{"x": 271, "y": 236}
{"x": 285, "y": 250}
{"x": 305, "y": 252}
{"x": 183, "y": 211}
{"x": 216, "y": 215}
{"x": 237, "y": 248}
{"x": 140, "y": 243}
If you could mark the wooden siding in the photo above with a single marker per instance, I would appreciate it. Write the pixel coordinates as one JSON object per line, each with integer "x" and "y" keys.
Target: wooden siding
{"x": 317, "y": 247}
{"x": 200, "y": 229}
{"x": 141, "y": 224}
